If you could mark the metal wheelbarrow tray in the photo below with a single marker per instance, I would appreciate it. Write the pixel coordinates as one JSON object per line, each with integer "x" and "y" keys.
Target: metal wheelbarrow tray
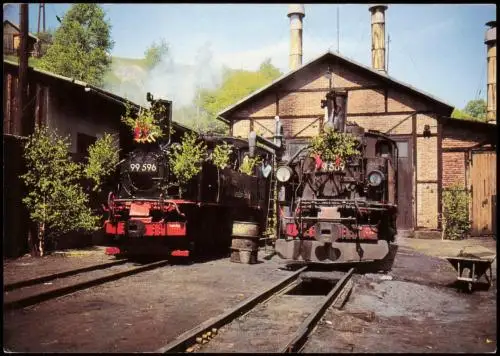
{"x": 471, "y": 269}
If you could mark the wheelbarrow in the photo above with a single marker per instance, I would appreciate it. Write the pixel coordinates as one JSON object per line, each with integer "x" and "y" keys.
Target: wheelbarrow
{"x": 470, "y": 268}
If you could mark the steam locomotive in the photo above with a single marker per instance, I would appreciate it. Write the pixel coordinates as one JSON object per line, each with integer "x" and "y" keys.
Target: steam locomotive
{"x": 148, "y": 215}
{"x": 340, "y": 211}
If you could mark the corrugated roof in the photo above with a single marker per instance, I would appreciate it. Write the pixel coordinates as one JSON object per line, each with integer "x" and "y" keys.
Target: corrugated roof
{"x": 19, "y": 30}
{"x": 104, "y": 93}
{"x": 381, "y": 75}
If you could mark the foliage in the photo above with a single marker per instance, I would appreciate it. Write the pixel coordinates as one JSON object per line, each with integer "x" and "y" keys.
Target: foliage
{"x": 102, "y": 160}
{"x": 459, "y": 114}
{"x": 81, "y": 45}
{"x": 476, "y": 109}
{"x": 55, "y": 199}
{"x": 155, "y": 52}
{"x": 46, "y": 40}
{"x": 186, "y": 159}
{"x": 456, "y": 212}
{"x": 221, "y": 154}
{"x": 145, "y": 126}
{"x": 236, "y": 84}
{"x": 248, "y": 164}
{"x": 331, "y": 145}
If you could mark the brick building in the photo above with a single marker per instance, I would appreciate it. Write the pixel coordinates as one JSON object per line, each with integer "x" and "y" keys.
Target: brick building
{"x": 372, "y": 99}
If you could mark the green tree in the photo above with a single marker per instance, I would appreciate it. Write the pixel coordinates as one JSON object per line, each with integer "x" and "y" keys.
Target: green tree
{"x": 81, "y": 45}
{"x": 55, "y": 200}
{"x": 459, "y": 114}
{"x": 155, "y": 53}
{"x": 236, "y": 84}
{"x": 476, "y": 109}
{"x": 46, "y": 40}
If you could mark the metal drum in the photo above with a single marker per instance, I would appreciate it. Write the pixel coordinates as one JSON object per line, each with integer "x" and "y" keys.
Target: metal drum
{"x": 245, "y": 242}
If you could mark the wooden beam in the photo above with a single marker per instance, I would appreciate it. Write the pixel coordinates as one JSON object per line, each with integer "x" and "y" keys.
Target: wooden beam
{"x": 414, "y": 133}
{"x": 319, "y": 90}
{"x": 312, "y": 123}
{"x": 440, "y": 173}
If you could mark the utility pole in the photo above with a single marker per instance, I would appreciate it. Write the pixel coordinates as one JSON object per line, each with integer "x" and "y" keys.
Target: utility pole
{"x": 23, "y": 120}
{"x": 41, "y": 11}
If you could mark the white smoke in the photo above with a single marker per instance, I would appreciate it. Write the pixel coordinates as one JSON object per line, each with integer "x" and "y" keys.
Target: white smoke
{"x": 169, "y": 79}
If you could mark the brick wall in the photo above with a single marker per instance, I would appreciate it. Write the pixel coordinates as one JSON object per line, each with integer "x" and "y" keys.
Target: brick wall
{"x": 370, "y": 103}
{"x": 453, "y": 168}
{"x": 427, "y": 207}
{"x": 390, "y": 123}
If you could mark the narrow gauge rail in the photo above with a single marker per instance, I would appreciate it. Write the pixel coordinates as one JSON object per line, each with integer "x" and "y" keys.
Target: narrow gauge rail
{"x": 36, "y": 296}
{"x": 43, "y": 279}
{"x": 336, "y": 296}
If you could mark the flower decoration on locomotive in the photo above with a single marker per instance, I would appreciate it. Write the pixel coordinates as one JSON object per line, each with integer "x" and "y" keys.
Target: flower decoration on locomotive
{"x": 332, "y": 149}
{"x": 145, "y": 126}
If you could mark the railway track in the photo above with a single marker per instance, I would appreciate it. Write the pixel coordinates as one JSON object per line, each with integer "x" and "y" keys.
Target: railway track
{"x": 33, "y": 291}
{"x": 197, "y": 338}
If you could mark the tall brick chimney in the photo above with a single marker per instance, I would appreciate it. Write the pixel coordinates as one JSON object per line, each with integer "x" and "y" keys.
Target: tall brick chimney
{"x": 378, "y": 36}
{"x": 490, "y": 40}
{"x": 295, "y": 13}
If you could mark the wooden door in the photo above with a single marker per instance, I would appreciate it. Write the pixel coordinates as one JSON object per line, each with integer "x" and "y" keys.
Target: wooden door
{"x": 484, "y": 193}
{"x": 405, "y": 184}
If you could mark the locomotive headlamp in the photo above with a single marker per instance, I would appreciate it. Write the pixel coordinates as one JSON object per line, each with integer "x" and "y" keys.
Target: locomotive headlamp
{"x": 375, "y": 178}
{"x": 283, "y": 174}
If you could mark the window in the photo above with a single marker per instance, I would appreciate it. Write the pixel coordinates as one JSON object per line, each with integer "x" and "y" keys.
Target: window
{"x": 402, "y": 149}
{"x": 83, "y": 142}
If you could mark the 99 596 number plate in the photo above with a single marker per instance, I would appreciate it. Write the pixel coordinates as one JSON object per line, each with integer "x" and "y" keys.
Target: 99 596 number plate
{"x": 144, "y": 167}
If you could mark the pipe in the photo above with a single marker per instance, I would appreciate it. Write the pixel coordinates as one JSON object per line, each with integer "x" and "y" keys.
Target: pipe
{"x": 296, "y": 13}
{"x": 491, "y": 58}
{"x": 378, "y": 36}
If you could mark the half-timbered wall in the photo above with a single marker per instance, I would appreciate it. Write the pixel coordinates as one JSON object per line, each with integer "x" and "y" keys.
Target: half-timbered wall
{"x": 372, "y": 104}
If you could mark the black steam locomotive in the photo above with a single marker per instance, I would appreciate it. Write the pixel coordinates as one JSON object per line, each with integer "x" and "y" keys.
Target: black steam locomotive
{"x": 148, "y": 214}
{"x": 339, "y": 211}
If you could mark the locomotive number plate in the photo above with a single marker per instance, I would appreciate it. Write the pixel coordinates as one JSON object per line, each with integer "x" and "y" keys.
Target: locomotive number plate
{"x": 145, "y": 167}
{"x": 332, "y": 167}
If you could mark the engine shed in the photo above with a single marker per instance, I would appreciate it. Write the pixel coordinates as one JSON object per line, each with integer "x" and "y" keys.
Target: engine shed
{"x": 416, "y": 120}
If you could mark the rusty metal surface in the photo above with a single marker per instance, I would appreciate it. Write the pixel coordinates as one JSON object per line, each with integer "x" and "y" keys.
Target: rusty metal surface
{"x": 336, "y": 252}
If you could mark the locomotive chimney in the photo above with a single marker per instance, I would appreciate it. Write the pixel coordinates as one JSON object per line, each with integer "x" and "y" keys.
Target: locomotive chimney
{"x": 491, "y": 56}
{"x": 378, "y": 36}
{"x": 295, "y": 13}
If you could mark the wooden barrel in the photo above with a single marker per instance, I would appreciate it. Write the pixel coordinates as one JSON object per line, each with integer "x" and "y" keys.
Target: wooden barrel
{"x": 245, "y": 242}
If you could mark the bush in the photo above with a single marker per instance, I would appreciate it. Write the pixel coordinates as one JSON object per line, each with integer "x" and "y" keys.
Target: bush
{"x": 456, "y": 223}
{"x": 187, "y": 158}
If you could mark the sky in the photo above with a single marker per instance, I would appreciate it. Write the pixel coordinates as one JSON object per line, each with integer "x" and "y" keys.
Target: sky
{"x": 437, "y": 48}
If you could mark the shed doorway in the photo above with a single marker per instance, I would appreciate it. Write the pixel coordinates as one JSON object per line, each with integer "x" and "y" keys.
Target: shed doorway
{"x": 484, "y": 192}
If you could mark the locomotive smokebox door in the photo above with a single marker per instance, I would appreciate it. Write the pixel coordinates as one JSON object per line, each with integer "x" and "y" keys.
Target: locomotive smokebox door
{"x": 135, "y": 228}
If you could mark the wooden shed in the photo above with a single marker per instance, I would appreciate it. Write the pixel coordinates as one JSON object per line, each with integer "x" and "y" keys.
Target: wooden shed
{"x": 11, "y": 40}
{"x": 73, "y": 108}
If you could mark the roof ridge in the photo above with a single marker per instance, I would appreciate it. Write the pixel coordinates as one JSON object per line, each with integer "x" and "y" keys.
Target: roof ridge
{"x": 347, "y": 59}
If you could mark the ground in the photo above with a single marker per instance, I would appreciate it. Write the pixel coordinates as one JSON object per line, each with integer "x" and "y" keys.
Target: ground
{"x": 413, "y": 308}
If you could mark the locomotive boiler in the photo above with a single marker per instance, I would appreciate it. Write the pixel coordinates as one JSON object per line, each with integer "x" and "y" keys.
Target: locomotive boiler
{"x": 148, "y": 213}
{"x": 339, "y": 210}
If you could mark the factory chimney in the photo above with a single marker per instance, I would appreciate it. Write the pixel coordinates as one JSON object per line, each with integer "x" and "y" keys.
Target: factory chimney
{"x": 295, "y": 13}
{"x": 378, "y": 36}
{"x": 491, "y": 56}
